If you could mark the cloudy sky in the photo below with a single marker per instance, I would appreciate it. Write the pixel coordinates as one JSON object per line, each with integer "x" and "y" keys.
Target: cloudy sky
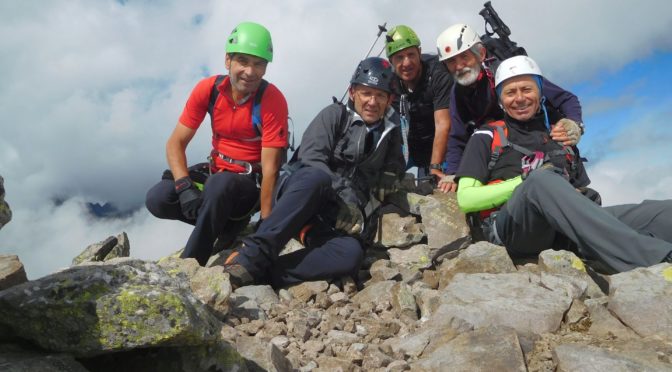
{"x": 91, "y": 90}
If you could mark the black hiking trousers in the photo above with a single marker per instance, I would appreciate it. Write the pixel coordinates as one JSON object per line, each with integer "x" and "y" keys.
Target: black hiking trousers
{"x": 226, "y": 196}
{"x": 545, "y": 207}
{"x": 328, "y": 254}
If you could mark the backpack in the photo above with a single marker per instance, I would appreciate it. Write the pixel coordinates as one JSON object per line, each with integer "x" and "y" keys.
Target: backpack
{"x": 256, "y": 112}
{"x": 256, "y": 106}
{"x": 500, "y": 141}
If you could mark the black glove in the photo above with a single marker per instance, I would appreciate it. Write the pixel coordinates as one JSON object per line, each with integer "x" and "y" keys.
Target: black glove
{"x": 190, "y": 197}
{"x": 591, "y": 194}
{"x": 424, "y": 188}
{"x": 388, "y": 183}
{"x": 349, "y": 218}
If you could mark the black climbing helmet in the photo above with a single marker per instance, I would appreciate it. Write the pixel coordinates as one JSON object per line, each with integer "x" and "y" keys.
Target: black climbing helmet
{"x": 375, "y": 72}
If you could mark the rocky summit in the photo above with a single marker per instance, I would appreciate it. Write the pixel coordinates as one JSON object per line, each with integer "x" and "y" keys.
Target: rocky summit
{"x": 414, "y": 307}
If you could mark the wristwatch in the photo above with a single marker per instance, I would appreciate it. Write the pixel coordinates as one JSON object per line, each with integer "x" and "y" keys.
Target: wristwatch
{"x": 436, "y": 166}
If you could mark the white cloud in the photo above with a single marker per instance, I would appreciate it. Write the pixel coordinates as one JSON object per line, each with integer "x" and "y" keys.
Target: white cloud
{"x": 91, "y": 90}
{"x": 49, "y": 237}
{"x": 626, "y": 180}
{"x": 634, "y": 164}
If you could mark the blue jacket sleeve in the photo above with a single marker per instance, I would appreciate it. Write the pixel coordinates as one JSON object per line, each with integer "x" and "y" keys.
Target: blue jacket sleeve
{"x": 565, "y": 101}
{"x": 457, "y": 138}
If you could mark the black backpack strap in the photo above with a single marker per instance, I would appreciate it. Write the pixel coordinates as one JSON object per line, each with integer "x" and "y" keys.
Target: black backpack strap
{"x": 521, "y": 149}
{"x": 504, "y": 143}
{"x": 343, "y": 124}
{"x": 451, "y": 248}
{"x": 214, "y": 93}
{"x": 498, "y": 148}
{"x": 256, "y": 108}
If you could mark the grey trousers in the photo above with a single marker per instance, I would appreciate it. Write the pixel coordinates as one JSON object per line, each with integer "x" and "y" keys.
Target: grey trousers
{"x": 545, "y": 209}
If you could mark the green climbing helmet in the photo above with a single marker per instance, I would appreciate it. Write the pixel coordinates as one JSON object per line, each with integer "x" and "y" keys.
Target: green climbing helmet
{"x": 251, "y": 38}
{"x": 400, "y": 37}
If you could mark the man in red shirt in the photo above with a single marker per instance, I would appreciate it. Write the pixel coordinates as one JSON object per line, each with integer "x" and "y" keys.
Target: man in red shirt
{"x": 245, "y": 157}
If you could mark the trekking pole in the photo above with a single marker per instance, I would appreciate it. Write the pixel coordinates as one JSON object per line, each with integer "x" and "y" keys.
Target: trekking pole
{"x": 381, "y": 29}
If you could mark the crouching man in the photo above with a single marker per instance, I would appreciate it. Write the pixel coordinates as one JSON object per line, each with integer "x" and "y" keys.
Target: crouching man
{"x": 530, "y": 191}
{"x": 349, "y": 157}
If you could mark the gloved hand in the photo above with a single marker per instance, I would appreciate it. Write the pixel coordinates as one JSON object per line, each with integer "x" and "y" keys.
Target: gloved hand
{"x": 424, "y": 188}
{"x": 591, "y": 194}
{"x": 567, "y": 132}
{"x": 388, "y": 183}
{"x": 447, "y": 183}
{"x": 349, "y": 218}
{"x": 190, "y": 197}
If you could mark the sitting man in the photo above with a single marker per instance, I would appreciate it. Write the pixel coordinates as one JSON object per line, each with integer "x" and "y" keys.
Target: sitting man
{"x": 537, "y": 187}
{"x": 349, "y": 157}
{"x": 473, "y": 101}
{"x": 249, "y": 136}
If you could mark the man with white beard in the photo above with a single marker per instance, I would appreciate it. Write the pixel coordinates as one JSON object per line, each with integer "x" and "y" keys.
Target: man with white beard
{"x": 473, "y": 99}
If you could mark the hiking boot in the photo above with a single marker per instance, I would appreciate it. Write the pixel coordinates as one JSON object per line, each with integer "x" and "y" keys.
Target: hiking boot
{"x": 238, "y": 275}
{"x": 227, "y": 238}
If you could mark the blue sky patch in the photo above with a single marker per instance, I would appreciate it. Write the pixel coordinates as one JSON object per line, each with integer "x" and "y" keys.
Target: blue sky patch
{"x": 613, "y": 102}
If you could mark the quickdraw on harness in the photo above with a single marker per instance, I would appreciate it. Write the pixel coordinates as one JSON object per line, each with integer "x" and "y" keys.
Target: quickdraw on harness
{"x": 255, "y": 122}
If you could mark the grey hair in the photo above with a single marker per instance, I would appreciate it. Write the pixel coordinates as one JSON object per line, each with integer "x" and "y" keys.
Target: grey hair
{"x": 476, "y": 49}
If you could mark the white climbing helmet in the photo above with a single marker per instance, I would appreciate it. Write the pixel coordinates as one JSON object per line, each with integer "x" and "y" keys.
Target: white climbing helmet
{"x": 455, "y": 40}
{"x": 516, "y": 66}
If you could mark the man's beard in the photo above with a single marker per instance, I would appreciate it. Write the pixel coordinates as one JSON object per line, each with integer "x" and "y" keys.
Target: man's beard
{"x": 467, "y": 76}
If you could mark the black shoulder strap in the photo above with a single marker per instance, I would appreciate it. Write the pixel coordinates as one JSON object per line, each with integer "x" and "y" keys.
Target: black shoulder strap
{"x": 343, "y": 126}
{"x": 502, "y": 142}
{"x": 499, "y": 142}
{"x": 454, "y": 246}
{"x": 214, "y": 93}
{"x": 343, "y": 122}
{"x": 256, "y": 108}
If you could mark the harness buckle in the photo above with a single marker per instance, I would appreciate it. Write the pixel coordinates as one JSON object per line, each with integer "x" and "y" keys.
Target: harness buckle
{"x": 249, "y": 168}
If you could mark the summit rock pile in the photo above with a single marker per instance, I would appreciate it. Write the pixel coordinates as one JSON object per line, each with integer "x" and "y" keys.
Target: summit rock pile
{"x": 473, "y": 309}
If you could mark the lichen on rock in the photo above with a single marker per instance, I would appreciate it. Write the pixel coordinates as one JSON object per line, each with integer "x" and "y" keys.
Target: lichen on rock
{"x": 125, "y": 304}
